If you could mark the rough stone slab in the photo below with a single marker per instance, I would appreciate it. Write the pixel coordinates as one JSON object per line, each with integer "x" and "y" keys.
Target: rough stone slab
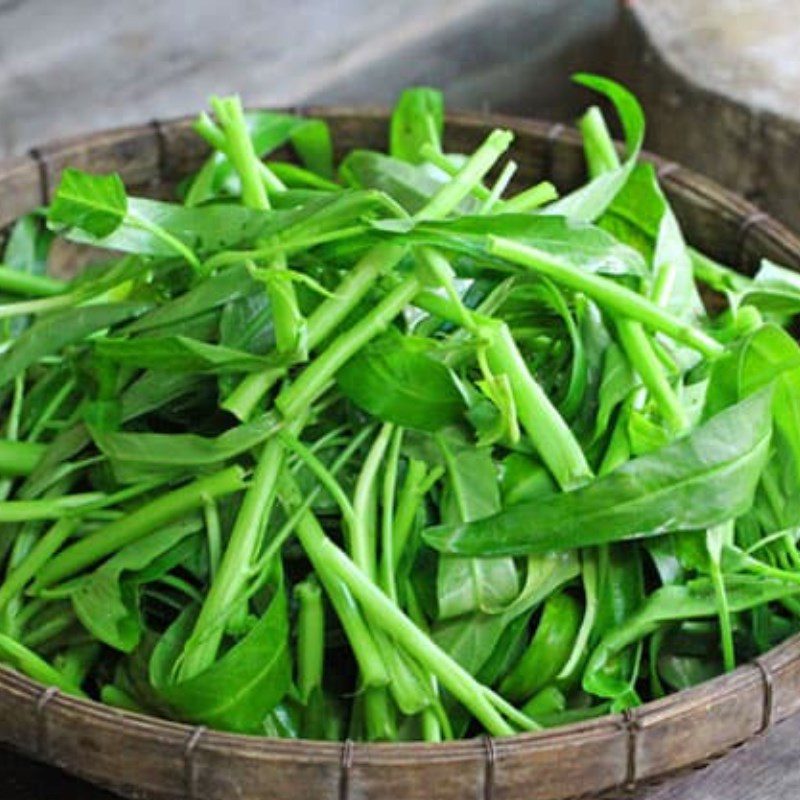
{"x": 719, "y": 82}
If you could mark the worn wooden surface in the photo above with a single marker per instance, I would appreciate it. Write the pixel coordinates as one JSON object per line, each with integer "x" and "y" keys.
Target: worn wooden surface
{"x": 72, "y": 66}
{"x": 763, "y": 769}
{"x": 719, "y": 80}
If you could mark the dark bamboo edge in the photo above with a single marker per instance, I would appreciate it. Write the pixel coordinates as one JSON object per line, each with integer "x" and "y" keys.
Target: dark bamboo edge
{"x": 627, "y": 750}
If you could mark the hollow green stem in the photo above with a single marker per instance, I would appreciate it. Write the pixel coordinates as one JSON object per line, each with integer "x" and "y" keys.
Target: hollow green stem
{"x": 295, "y": 398}
{"x": 716, "y": 538}
{"x": 471, "y": 173}
{"x": 500, "y": 185}
{"x": 606, "y": 293}
{"x": 531, "y": 199}
{"x": 321, "y": 323}
{"x": 289, "y": 323}
{"x": 389, "y": 492}
{"x": 435, "y": 156}
{"x": 368, "y": 656}
{"x": 213, "y": 535}
{"x": 138, "y": 523}
{"x": 234, "y": 569}
{"x": 216, "y": 138}
{"x": 597, "y": 143}
{"x": 240, "y": 151}
{"x": 310, "y": 638}
{"x": 327, "y": 480}
{"x": 363, "y": 538}
{"x": 19, "y": 459}
{"x": 431, "y": 727}
{"x": 13, "y": 281}
{"x": 40, "y": 305}
{"x": 27, "y": 662}
{"x": 478, "y": 699}
{"x": 546, "y": 428}
{"x": 716, "y": 275}
{"x": 643, "y": 358}
{"x": 49, "y": 508}
{"x": 24, "y": 572}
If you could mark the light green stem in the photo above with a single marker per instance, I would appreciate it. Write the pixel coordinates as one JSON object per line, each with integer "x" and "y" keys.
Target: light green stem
{"x": 145, "y": 519}
{"x": 49, "y": 544}
{"x": 606, "y": 293}
{"x": 19, "y": 459}
{"x": 326, "y": 557}
{"x": 310, "y": 638}
{"x": 471, "y": 173}
{"x": 13, "y": 281}
{"x": 644, "y": 360}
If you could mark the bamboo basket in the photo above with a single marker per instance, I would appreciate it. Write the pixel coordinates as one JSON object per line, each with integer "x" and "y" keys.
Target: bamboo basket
{"x": 143, "y": 757}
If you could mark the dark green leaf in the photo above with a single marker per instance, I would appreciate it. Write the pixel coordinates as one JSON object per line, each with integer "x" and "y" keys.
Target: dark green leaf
{"x": 695, "y": 600}
{"x": 704, "y": 479}
{"x": 107, "y": 601}
{"x": 53, "y": 333}
{"x": 411, "y": 185}
{"x": 180, "y": 353}
{"x": 238, "y": 691}
{"x": 465, "y": 585}
{"x": 586, "y": 246}
{"x": 397, "y": 380}
{"x": 174, "y": 450}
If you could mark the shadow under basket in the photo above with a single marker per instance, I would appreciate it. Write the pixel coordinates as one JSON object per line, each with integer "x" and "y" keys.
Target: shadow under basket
{"x": 145, "y": 757}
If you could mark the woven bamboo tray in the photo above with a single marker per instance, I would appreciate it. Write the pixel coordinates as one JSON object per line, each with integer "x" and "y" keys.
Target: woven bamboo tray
{"x": 150, "y": 758}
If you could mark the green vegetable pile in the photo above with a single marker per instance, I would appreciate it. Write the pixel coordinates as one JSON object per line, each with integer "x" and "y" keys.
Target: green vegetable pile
{"x": 397, "y": 450}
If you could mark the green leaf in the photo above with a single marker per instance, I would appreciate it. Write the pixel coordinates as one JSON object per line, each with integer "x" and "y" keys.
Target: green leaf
{"x": 774, "y": 290}
{"x": 465, "y": 585}
{"x": 226, "y": 286}
{"x": 620, "y": 592}
{"x": 179, "y": 450}
{"x": 222, "y": 226}
{"x": 410, "y": 185}
{"x": 548, "y": 650}
{"x": 396, "y": 379}
{"x": 641, "y": 215}
{"x": 695, "y": 600}
{"x": 417, "y": 119}
{"x": 591, "y": 200}
{"x": 28, "y": 246}
{"x": 107, "y": 601}
{"x": 700, "y": 480}
{"x": 180, "y": 353}
{"x": 51, "y": 334}
{"x": 237, "y": 692}
{"x": 473, "y": 638}
{"x": 768, "y": 356}
{"x": 584, "y": 245}
{"x": 96, "y": 204}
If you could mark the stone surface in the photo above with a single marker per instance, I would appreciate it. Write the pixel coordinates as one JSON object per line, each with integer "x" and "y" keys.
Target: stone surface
{"x": 747, "y": 49}
{"x": 719, "y": 83}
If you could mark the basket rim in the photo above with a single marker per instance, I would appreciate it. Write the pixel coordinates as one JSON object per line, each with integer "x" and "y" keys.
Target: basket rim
{"x": 765, "y": 670}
